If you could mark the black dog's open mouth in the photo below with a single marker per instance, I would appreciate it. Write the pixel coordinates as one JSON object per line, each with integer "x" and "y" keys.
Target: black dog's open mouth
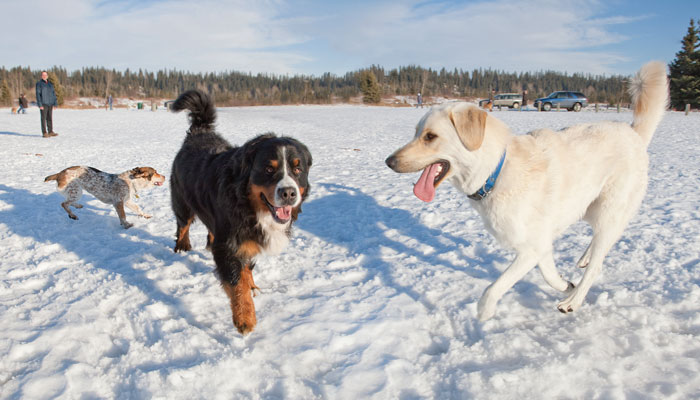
{"x": 281, "y": 215}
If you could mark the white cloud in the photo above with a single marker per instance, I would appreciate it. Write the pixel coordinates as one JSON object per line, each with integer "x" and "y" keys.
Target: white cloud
{"x": 533, "y": 35}
{"x": 197, "y": 36}
{"x": 285, "y": 37}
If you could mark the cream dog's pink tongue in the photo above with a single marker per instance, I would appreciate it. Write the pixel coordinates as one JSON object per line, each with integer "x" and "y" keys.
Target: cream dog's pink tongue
{"x": 424, "y": 189}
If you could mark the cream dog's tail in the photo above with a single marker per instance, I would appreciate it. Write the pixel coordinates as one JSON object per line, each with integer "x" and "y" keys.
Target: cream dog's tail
{"x": 649, "y": 91}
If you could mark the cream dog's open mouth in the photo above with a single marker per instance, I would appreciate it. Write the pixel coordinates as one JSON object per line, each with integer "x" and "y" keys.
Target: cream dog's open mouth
{"x": 430, "y": 179}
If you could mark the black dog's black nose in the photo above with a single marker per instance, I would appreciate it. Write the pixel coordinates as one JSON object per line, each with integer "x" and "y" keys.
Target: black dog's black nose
{"x": 287, "y": 193}
{"x": 391, "y": 162}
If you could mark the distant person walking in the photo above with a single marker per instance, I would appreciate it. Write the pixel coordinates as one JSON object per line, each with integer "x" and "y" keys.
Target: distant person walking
{"x": 109, "y": 101}
{"x": 420, "y": 101}
{"x": 524, "y": 103}
{"x": 491, "y": 95}
{"x": 23, "y": 104}
{"x": 46, "y": 100}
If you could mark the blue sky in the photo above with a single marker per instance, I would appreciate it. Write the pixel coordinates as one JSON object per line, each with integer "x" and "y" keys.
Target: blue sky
{"x": 312, "y": 37}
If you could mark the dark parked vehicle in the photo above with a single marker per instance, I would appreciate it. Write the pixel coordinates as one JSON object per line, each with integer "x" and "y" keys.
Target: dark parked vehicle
{"x": 572, "y": 101}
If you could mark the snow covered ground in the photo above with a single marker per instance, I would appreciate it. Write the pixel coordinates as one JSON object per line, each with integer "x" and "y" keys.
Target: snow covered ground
{"x": 375, "y": 297}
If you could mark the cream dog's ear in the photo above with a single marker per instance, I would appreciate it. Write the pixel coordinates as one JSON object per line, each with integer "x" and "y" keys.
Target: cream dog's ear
{"x": 470, "y": 124}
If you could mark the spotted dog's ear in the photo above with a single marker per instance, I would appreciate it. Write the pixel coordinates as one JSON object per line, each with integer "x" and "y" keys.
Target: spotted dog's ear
{"x": 470, "y": 124}
{"x": 140, "y": 172}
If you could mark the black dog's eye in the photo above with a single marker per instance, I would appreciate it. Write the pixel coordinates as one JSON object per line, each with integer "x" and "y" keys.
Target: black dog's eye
{"x": 270, "y": 170}
{"x": 429, "y": 137}
{"x": 296, "y": 171}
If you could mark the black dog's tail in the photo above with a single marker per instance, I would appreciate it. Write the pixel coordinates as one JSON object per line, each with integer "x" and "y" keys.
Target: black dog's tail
{"x": 202, "y": 110}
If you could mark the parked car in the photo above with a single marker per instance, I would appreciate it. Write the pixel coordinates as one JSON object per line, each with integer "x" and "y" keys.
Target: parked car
{"x": 510, "y": 100}
{"x": 572, "y": 101}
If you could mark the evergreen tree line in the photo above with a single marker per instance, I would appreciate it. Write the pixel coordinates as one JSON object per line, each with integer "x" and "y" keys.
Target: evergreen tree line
{"x": 236, "y": 88}
{"x": 685, "y": 71}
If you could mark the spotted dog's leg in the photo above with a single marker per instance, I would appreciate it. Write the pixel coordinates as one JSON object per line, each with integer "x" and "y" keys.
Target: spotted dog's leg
{"x": 122, "y": 215}
{"x": 66, "y": 206}
{"x": 135, "y": 208}
{"x": 72, "y": 192}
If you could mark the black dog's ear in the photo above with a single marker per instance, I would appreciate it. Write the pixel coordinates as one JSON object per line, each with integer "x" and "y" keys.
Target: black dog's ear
{"x": 307, "y": 153}
{"x": 251, "y": 147}
{"x": 308, "y": 159}
{"x": 301, "y": 147}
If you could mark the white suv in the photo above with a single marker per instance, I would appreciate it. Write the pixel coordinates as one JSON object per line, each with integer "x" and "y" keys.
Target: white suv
{"x": 510, "y": 100}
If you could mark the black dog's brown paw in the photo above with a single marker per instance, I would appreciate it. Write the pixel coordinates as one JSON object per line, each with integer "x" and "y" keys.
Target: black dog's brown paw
{"x": 242, "y": 305}
{"x": 182, "y": 246}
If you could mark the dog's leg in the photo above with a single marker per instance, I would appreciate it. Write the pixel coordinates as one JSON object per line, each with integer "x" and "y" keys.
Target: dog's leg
{"x": 523, "y": 263}
{"x": 253, "y": 287}
{"x": 242, "y": 305}
{"x": 210, "y": 240}
{"x": 135, "y": 208}
{"x": 585, "y": 258}
{"x": 549, "y": 272}
{"x": 608, "y": 216}
{"x": 182, "y": 243}
{"x": 72, "y": 192}
{"x": 247, "y": 251}
{"x": 237, "y": 281}
{"x": 66, "y": 206}
{"x": 600, "y": 246}
{"x": 607, "y": 229}
{"x": 184, "y": 217}
{"x": 122, "y": 215}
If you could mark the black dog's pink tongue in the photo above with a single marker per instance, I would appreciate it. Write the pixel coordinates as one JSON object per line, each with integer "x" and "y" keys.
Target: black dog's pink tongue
{"x": 283, "y": 213}
{"x": 424, "y": 189}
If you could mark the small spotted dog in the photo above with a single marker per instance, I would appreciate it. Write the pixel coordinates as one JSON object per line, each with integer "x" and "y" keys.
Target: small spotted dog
{"x": 113, "y": 189}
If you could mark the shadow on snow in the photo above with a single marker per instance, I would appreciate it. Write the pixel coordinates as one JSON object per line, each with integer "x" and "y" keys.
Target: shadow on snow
{"x": 100, "y": 241}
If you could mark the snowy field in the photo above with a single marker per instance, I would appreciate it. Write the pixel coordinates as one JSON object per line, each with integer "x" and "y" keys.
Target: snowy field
{"x": 375, "y": 297}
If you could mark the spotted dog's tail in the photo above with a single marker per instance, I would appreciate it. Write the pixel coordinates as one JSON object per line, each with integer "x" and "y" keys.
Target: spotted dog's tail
{"x": 53, "y": 177}
{"x": 649, "y": 91}
{"x": 202, "y": 110}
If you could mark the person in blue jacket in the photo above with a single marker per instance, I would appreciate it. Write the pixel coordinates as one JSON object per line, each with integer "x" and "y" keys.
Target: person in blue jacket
{"x": 46, "y": 100}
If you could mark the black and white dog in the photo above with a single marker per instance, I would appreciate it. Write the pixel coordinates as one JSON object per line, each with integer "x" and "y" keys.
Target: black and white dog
{"x": 247, "y": 196}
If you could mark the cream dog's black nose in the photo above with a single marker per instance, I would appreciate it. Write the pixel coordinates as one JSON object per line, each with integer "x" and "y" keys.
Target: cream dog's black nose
{"x": 391, "y": 162}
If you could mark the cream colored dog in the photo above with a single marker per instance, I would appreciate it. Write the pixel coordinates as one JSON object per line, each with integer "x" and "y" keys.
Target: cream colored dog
{"x": 528, "y": 189}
